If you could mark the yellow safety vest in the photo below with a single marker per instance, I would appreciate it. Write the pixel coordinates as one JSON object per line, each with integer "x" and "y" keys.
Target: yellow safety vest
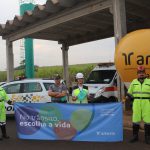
{"x": 81, "y": 95}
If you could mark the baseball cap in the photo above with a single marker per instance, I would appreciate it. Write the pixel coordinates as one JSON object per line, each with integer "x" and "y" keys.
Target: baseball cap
{"x": 57, "y": 77}
{"x": 140, "y": 69}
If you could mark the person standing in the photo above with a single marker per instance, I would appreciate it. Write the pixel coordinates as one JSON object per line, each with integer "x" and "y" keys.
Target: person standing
{"x": 139, "y": 92}
{"x": 3, "y": 98}
{"x": 80, "y": 91}
{"x": 58, "y": 91}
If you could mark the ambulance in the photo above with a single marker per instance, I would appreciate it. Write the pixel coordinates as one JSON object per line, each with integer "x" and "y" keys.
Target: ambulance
{"x": 102, "y": 83}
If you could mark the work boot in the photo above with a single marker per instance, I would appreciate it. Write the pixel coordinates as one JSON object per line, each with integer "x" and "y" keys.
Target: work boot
{"x": 147, "y": 133}
{"x": 135, "y": 137}
{"x": 147, "y": 140}
{"x": 4, "y": 135}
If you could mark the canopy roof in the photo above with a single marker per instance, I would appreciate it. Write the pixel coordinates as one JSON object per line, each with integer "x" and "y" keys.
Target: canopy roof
{"x": 74, "y": 21}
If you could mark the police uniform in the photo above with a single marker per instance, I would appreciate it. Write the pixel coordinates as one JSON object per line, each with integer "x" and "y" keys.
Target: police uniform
{"x": 3, "y": 98}
{"x": 141, "y": 106}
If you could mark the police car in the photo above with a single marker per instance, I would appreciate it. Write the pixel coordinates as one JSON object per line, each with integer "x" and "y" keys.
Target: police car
{"x": 1, "y": 83}
{"x": 27, "y": 91}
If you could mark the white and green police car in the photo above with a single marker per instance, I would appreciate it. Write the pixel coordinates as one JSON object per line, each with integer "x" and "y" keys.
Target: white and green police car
{"x": 28, "y": 91}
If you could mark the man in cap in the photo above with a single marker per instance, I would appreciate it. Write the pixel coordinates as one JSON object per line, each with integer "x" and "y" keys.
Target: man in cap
{"x": 139, "y": 92}
{"x": 58, "y": 91}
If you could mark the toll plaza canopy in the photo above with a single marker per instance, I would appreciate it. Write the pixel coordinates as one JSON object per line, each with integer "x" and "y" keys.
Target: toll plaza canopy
{"x": 75, "y": 21}
{"x": 72, "y": 22}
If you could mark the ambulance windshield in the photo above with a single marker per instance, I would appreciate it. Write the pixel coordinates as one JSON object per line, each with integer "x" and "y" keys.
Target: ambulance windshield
{"x": 101, "y": 77}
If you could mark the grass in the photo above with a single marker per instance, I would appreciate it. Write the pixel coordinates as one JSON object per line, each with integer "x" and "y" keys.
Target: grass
{"x": 50, "y": 71}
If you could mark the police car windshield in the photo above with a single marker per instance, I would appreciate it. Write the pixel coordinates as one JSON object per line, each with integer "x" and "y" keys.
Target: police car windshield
{"x": 101, "y": 77}
{"x": 47, "y": 85}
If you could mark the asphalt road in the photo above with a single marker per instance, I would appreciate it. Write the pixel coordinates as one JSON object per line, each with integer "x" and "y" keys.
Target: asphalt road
{"x": 16, "y": 144}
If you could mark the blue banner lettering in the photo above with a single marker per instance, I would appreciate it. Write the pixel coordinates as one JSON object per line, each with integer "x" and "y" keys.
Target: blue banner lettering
{"x": 54, "y": 121}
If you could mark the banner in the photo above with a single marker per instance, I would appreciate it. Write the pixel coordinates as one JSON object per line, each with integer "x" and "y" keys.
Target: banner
{"x": 55, "y": 121}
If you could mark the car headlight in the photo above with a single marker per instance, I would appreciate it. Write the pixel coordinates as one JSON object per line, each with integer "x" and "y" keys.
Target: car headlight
{"x": 99, "y": 92}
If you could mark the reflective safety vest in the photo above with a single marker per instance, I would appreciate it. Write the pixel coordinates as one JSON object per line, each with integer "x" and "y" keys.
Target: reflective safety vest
{"x": 80, "y": 94}
{"x": 140, "y": 91}
{"x": 141, "y": 103}
{"x": 3, "y": 98}
{"x": 3, "y": 95}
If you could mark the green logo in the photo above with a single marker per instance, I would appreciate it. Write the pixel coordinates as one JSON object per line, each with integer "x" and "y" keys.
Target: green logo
{"x": 80, "y": 119}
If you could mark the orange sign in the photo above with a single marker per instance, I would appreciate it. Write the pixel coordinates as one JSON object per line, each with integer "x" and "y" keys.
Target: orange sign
{"x": 133, "y": 50}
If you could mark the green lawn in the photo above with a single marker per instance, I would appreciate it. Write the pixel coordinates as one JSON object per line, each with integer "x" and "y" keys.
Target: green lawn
{"x": 50, "y": 71}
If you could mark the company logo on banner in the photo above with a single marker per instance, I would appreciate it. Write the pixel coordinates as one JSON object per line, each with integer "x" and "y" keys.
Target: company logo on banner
{"x": 52, "y": 121}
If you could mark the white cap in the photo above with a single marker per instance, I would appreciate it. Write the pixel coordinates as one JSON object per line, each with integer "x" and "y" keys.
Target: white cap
{"x": 79, "y": 76}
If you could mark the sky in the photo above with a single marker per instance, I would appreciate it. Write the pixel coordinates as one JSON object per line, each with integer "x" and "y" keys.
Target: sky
{"x": 46, "y": 53}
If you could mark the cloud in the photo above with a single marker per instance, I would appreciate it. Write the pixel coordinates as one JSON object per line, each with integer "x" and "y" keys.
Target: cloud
{"x": 48, "y": 53}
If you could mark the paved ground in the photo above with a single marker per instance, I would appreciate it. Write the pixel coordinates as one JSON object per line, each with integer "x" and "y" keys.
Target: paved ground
{"x": 16, "y": 144}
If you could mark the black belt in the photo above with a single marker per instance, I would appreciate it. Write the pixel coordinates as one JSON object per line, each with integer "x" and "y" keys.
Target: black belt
{"x": 58, "y": 101}
{"x": 142, "y": 98}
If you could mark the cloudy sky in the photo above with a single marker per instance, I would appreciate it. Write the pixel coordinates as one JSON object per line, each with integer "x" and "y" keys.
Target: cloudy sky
{"x": 47, "y": 52}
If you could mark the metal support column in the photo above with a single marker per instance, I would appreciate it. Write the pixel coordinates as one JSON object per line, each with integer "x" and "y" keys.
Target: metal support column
{"x": 65, "y": 63}
{"x": 119, "y": 15}
{"x": 10, "y": 61}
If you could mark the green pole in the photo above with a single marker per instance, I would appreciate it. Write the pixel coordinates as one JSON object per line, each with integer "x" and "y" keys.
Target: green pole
{"x": 28, "y": 43}
{"x": 29, "y": 58}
